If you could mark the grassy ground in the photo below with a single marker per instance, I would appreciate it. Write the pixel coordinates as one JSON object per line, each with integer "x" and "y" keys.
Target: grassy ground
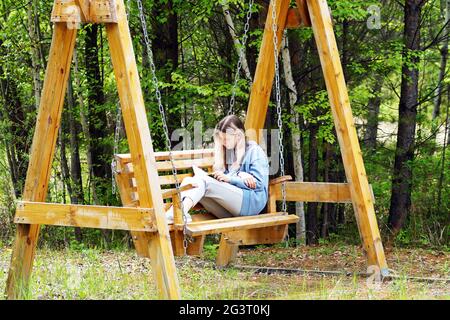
{"x": 95, "y": 274}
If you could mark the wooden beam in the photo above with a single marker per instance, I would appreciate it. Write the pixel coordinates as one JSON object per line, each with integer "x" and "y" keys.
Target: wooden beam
{"x": 239, "y": 223}
{"x": 303, "y": 12}
{"x": 140, "y": 142}
{"x": 68, "y": 12}
{"x": 313, "y": 192}
{"x": 296, "y": 20}
{"x": 266, "y": 235}
{"x": 102, "y": 11}
{"x": 84, "y": 7}
{"x": 265, "y": 71}
{"x": 74, "y": 12}
{"x": 176, "y": 155}
{"x": 42, "y": 151}
{"x": 293, "y": 19}
{"x": 346, "y": 132}
{"x": 227, "y": 252}
{"x": 139, "y": 238}
{"x": 71, "y": 215}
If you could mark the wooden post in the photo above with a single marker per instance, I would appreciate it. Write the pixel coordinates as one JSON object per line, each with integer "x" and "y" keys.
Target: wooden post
{"x": 346, "y": 132}
{"x": 177, "y": 234}
{"x": 141, "y": 149}
{"x": 262, "y": 86}
{"x": 227, "y": 251}
{"x": 42, "y": 151}
{"x": 139, "y": 238}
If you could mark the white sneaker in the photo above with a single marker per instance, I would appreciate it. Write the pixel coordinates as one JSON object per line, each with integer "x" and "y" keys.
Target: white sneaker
{"x": 169, "y": 216}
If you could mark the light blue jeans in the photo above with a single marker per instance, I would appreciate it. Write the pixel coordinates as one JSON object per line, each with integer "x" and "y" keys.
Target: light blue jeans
{"x": 220, "y": 198}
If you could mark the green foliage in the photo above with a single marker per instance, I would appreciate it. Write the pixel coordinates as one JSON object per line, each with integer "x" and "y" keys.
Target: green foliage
{"x": 317, "y": 110}
{"x": 197, "y": 87}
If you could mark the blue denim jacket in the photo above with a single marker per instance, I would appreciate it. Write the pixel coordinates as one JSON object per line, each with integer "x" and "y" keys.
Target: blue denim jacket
{"x": 255, "y": 162}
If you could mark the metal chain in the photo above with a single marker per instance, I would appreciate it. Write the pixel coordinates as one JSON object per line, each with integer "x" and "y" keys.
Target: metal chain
{"x": 116, "y": 147}
{"x": 278, "y": 101}
{"x": 278, "y": 105}
{"x": 241, "y": 56}
{"x": 163, "y": 114}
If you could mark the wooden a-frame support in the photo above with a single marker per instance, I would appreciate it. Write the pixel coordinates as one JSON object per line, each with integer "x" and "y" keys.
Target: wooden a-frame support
{"x": 67, "y": 15}
{"x": 315, "y": 13}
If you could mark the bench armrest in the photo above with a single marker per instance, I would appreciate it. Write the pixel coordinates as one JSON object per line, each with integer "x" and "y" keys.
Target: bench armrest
{"x": 280, "y": 180}
{"x": 166, "y": 194}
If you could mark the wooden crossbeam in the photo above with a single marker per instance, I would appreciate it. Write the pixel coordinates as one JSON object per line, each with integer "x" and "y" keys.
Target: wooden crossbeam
{"x": 74, "y": 12}
{"x": 297, "y": 19}
{"x": 86, "y": 216}
{"x": 303, "y": 12}
{"x": 314, "y": 192}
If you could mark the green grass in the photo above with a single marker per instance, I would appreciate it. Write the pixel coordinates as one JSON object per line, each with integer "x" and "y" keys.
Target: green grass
{"x": 95, "y": 274}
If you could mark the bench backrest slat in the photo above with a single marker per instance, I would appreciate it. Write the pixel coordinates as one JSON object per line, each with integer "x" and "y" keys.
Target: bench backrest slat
{"x": 183, "y": 161}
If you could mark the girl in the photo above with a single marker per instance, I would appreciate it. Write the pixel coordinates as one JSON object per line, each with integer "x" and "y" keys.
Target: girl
{"x": 241, "y": 176}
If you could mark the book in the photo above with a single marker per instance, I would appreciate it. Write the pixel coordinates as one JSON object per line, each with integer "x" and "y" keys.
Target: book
{"x": 200, "y": 172}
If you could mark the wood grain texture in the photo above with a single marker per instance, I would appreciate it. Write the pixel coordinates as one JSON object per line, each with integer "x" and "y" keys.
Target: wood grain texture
{"x": 346, "y": 132}
{"x": 141, "y": 149}
{"x": 313, "y": 192}
{"x": 239, "y": 223}
{"x": 227, "y": 252}
{"x": 85, "y": 216}
{"x": 264, "y": 74}
{"x": 42, "y": 151}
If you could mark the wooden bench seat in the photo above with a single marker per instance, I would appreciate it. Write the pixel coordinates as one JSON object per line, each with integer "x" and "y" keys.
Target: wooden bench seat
{"x": 239, "y": 223}
{"x": 263, "y": 228}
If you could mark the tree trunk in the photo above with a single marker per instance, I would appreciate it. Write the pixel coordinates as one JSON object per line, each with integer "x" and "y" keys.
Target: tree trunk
{"x": 402, "y": 176}
{"x": 445, "y": 12}
{"x": 165, "y": 50}
{"x": 295, "y": 133}
{"x": 76, "y": 194}
{"x": 101, "y": 150}
{"x": 237, "y": 43}
{"x": 371, "y": 133}
{"x": 311, "y": 222}
{"x": 85, "y": 129}
{"x": 17, "y": 131}
{"x": 33, "y": 24}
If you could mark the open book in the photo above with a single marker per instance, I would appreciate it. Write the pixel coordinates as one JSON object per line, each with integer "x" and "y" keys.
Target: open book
{"x": 200, "y": 172}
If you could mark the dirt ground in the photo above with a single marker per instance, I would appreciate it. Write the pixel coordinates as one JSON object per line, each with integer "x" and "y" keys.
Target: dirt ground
{"x": 401, "y": 261}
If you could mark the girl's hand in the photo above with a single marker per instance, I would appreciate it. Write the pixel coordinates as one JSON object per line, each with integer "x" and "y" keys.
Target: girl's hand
{"x": 220, "y": 176}
{"x": 248, "y": 179}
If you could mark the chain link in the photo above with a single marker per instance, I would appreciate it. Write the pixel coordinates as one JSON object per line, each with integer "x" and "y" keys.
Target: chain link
{"x": 241, "y": 56}
{"x": 279, "y": 111}
{"x": 278, "y": 100}
{"x": 116, "y": 147}
{"x": 163, "y": 115}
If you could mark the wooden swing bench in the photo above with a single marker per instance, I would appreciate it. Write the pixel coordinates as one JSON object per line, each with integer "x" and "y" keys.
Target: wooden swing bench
{"x": 266, "y": 228}
{"x": 144, "y": 217}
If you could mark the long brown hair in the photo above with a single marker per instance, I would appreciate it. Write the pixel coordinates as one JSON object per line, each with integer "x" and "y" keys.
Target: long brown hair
{"x": 230, "y": 122}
